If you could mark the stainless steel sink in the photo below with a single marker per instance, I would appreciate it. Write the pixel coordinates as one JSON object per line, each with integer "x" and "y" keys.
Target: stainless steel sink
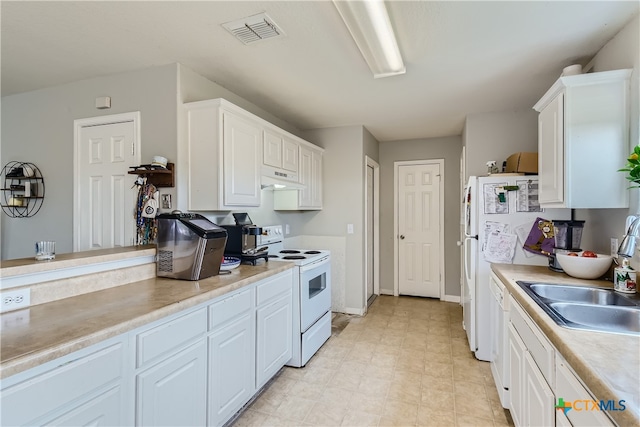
{"x": 600, "y": 317}
{"x": 585, "y": 307}
{"x": 581, "y": 294}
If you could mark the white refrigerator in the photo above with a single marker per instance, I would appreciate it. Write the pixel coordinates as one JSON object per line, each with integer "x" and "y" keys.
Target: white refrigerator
{"x": 497, "y": 219}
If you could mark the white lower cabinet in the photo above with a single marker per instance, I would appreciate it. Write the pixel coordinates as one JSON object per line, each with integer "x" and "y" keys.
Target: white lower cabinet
{"x": 86, "y": 387}
{"x": 538, "y": 396}
{"x": 173, "y": 392}
{"x": 517, "y": 351}
{"x": 194, "y": 368}
{"x": 571, "y": 390}
{"x": 274, "y": 343}
{"x": 104, "y": 410}
{"x": 532, "y": 399}
{"x": 231, "y": 356}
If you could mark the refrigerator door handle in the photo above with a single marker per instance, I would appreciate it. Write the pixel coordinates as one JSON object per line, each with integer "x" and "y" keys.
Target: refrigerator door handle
{"x": 466, "y": 258}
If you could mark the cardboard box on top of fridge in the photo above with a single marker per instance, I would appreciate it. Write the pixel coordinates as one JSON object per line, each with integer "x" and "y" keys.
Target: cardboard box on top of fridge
{"x": 523, "y": 163}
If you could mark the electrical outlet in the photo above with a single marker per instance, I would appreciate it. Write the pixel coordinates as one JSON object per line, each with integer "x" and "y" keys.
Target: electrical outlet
{"x": 614, "y": 247}
{"x": 14, "y": 300}
{"x": 286, "y": 229}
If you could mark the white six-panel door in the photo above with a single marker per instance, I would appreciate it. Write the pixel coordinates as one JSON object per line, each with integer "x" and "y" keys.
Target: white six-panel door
{"x": 104, "y": 214}
{"x": 419, "y": 226}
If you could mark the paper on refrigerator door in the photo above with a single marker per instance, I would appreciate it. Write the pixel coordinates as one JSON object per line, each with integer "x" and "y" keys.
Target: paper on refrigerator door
{"x": 490, "y": 227}
{"x": 527, "y": 196}
{"x": 500, "y": 247}
{"x": 492, "y": 203}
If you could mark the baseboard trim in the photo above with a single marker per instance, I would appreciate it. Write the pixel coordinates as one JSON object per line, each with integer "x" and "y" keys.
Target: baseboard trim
{"x": 451, "y": 298}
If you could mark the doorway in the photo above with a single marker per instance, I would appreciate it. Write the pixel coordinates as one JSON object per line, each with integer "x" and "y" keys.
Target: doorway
{"x": 372, "y": 207}
{"x": 104, "y": 201}
{"x": 419, "y": 226}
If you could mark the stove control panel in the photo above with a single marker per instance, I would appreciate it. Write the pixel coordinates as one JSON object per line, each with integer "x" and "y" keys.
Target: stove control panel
{"x": 271, "y": 234}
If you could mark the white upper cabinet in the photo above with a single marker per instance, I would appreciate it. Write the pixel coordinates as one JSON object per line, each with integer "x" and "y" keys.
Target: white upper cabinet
{"x": 225, "y": 156}
{"x": 583, "y": 139}
{"x": 280, "y": 151}
{"x": 310, "y": 175}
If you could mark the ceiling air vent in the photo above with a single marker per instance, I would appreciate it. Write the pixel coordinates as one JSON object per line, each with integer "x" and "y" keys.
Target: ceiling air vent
{"x": 253, "y": 28}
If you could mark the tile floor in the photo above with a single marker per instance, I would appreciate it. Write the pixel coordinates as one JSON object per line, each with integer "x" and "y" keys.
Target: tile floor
{"x": 406, "y": 363}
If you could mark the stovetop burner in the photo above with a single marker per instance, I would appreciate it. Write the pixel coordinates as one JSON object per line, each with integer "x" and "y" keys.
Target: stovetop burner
{"x": 312, "y": 252}
{"x": 294, "y": 256}
{"x": 289, "y": 251}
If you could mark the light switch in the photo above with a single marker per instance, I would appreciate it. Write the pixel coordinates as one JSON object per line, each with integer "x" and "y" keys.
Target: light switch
{"x": 166, "y": 201}
{"x": 349, "y": 228}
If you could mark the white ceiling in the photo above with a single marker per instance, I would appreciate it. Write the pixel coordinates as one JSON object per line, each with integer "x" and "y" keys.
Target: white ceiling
{"x": 461, "y": 57}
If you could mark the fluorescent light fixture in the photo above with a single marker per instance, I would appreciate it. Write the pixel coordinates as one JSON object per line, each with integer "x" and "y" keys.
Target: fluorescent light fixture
{"x": 370, "y": 27}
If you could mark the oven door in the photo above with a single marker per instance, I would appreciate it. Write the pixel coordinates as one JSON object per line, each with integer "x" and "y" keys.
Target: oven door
{"x": 315, "y": 292}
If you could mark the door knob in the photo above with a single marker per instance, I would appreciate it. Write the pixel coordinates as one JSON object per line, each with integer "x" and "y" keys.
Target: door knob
{"x": 402, "y": 237}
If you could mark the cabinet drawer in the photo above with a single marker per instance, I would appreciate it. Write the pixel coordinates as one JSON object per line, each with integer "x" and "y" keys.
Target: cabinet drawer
{"x": 228, "y": 308}
{"x": 569, "y": 388}
{"x": 540, "y": 348}
{"x": 169, "y": 336}
{"x": 273, "y": 287}
{"x": 35, "y": 397}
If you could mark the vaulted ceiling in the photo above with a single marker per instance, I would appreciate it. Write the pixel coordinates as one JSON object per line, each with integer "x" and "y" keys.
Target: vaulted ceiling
{"x": 461, "y": 57}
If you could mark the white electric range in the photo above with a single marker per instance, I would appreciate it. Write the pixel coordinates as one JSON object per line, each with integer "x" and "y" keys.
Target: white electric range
{"x": 311, "y": 293}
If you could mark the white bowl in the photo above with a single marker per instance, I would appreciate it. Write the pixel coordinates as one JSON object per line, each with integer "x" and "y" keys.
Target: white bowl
{"x": 584, "y": 267}
{"x": 229, "y": 263}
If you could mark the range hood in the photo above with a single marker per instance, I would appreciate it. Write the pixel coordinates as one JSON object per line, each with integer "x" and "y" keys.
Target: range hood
{"x": 279, "y": 179}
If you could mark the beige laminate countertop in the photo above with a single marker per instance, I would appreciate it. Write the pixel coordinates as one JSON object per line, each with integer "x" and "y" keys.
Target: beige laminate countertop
{"x": 61, "y": 327}
{"x": 608, "y": 364}
{"x": 17, "y": 267}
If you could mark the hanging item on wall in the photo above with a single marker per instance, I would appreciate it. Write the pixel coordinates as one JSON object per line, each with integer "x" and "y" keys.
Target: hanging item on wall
{"x": 146, "y": 210}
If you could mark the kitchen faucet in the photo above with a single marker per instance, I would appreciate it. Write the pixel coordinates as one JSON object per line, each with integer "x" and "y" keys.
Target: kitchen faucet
{"x": 628, "y": 245}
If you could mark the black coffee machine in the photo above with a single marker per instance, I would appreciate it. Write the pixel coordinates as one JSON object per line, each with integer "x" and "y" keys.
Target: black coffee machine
{"x": 242, "y": 239}
{"x": 567, "y": 237}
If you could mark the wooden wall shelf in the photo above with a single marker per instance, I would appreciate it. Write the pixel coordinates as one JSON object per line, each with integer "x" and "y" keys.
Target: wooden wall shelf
{"x": 158, "y": 177}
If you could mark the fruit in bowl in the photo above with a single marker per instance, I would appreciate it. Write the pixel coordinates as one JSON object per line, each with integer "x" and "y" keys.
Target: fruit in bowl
{"x": 584, "y": 265}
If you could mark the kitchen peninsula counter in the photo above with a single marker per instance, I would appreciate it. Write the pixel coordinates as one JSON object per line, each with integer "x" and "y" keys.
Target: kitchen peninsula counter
{"x": 33, "y": 336}
{"x": 608, "y": 364}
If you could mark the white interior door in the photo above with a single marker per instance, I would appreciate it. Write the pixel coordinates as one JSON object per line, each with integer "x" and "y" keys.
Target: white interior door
{"x": 104, "y": 198}
{"x": 419, "y": 225}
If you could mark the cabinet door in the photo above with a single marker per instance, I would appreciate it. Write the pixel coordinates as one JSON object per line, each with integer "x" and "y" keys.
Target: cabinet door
{"x": 311, "y": 176}
{"x": 64, "y": 386}
{"x": 272, "y": 147}
{"x": 104, "y": 410}
{"x": 538, "y": 397}
{"x": 290, "y": 155}
{"x": 274, "y": 337}
{"x": 316, "y": 179}
{"x": 231, "y": 369}
{"x": 551, "y": 152}
{"x": 174, "y": 392}
{"x": 242, "y": 154}
{"x": 517, "y": 352}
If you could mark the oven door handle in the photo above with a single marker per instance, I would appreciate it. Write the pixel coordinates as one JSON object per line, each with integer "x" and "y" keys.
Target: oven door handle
{"x": 315, "y": 265}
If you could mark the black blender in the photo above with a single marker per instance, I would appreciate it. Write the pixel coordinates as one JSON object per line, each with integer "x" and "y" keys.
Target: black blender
{"x": 567, "y": 237}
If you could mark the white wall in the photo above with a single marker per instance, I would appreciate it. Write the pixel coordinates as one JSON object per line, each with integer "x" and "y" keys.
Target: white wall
{"x": 37, "y": 127}
{"x": 449, "y": 149}
{"x": 495, "y": 136}
{"x": 343, "y": 204}
{"x": 623, "y": 51}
